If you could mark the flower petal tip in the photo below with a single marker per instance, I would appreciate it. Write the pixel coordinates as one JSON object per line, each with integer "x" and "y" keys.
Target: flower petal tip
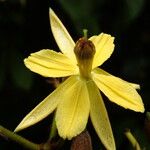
{"x": 25, "y": 123}
{"x": 69, "y": 135}
{"x": 19, "y": 128}
{"x": 51, "y": 11}
{"x": 142, "y": 109}
{"x": 138, "y": 108}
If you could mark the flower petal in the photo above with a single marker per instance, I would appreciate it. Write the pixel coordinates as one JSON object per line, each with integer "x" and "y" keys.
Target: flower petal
{"x": 50, "y": 64}
{"x": 99, "y": 117}
{"x": 73, "y": 110}
{"x": 62, "y": 37}
{"x": 43, "y": 109}
{"x": 100, "y": 71}
{"x": 104, "y": 48}
{"x": 119, "y": 91}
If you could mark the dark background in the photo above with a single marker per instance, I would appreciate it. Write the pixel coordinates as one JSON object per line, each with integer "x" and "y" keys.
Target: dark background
{"x": 24, "y": 28}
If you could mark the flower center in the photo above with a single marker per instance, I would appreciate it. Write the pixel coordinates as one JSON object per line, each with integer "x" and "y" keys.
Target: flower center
{"x": 84, "y": 51}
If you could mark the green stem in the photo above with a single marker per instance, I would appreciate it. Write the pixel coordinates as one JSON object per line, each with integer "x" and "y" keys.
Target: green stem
{"x": 18, "y": 139}
{"x": 85, "y": 31}
{"x": 148, "y": 116}
{"x": 53, "y": 130}
{"x": 132, "y": 140}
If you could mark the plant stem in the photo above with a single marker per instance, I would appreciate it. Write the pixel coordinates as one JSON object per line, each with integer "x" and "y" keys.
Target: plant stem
{"x": 53, "y": 130}
{"x": 18, "y": 139}
{"x": 85, "y": 35}
{"x": 148, "y": 116}
{"x": 132, "y": 140}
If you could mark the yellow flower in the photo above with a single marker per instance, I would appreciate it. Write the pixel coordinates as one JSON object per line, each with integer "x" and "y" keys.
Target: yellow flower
{"x": 78, "y": 97}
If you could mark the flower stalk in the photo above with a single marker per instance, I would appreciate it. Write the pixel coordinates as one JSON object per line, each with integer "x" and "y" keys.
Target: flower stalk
{"x": 85, "y": 33}
{"x": 18, "y": 139}
{"x": 53, "y": 130}
{"x": 132, "y": 140}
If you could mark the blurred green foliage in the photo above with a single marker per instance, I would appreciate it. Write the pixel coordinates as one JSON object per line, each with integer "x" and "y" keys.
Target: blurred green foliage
{"x": 11, "y": 43}
{"x": 24, "y": 28}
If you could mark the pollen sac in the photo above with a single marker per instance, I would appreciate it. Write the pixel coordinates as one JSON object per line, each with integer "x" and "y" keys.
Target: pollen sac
{"x": 84, "y": 49}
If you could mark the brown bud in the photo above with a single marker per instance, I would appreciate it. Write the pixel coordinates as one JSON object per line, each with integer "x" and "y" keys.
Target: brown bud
{"x": 82, "y": 142}
{"x": 84, "y": 49}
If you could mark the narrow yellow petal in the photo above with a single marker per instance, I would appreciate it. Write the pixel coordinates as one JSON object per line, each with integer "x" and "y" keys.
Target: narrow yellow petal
{"x": 119, "y": 91}
{"x": 62, "y": 37}
{"x": 73, "y": 110}
{"x": 104, "y": 48}
{"x": 43, "y": 109}
{"x": 100, "y": 71}
{"x": 134, "y": 85}
{"x": 99, "y": 117}
{"x": 49, "y": 63}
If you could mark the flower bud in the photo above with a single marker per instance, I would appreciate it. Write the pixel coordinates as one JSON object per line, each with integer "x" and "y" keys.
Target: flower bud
{"x": 84, "y": 51}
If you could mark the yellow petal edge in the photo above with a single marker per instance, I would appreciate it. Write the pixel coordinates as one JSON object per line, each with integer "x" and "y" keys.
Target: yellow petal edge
{"x": 119, "y": 91}
{"x": 104, "y": 44}
{"x": 49, "y": 63}
{"x": 62, "y": 37}
{"x": 73, "y": 110}
{"x": 48, "y": 105}
{"x": 99, "y": 117}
